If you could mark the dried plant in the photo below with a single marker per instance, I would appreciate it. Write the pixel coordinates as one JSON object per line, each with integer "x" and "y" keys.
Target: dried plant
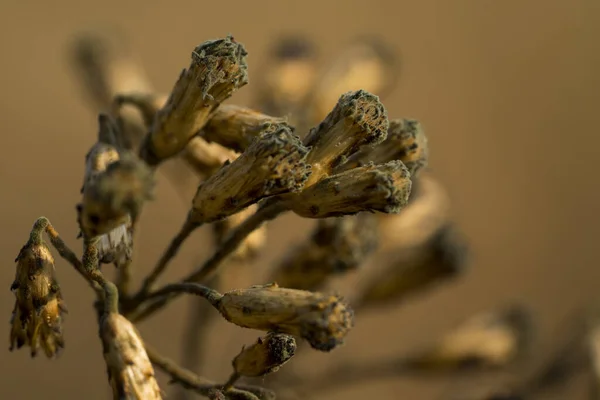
{"x": 362, "y": 176}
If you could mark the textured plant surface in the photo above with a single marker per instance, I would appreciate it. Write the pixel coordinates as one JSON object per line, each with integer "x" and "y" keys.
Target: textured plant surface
{"x": 321, "y": 145}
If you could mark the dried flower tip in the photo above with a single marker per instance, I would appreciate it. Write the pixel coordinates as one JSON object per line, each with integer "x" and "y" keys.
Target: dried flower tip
{"x": 218, "y": 68}
{"x": 116, "y": 246}
{"x": 206, "y": 158}
{"x": 129, "y": 370}
{"x": 367, "y": 63}
{"x": 39, "y": 308}
{"x": 405, "y": 142}
{"x": 265, "y": 356}
{"x": 441, "y": 258}
{"x": 383, "y": 188}
{"x": 486, "y": 340}
{"x": 236, "y": 127}
{"x": 323, "y": 321}
{"x": 115, "y": 196}
{"x": 337, "y": 246}
{"x": 252, "y": 244}
{"x": 273, "y": 164}
{"x": 358, "y": 119}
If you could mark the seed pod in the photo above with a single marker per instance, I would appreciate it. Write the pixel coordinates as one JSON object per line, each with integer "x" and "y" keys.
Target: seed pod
{"x": 405, "y": 142}
{"x": 236, "y": 127}
{"x": 218, "y": 68}
{"x": 337, "y": 246}
{"x": 323, "y": 321}
{"x": 39, "y": 308}
{"x": 439, "y": 259}
{"x": 265, "y": 356}
{"x": 115, "y": 196}
{"x": 129, "y": 370}
{"x": 486, "y": 340}
{"x": 385, "y": 188}
{"x": 252, "y": 244}
{"x": 274, "y": 164}
{"x": 358, "y": 119}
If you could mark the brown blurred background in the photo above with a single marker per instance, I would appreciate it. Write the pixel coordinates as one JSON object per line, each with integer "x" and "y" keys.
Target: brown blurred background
{"x": 508, "y": 93}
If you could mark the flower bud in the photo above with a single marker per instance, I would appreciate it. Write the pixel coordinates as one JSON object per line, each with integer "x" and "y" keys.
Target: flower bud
{"x": 38, "y": 312}
{"x": 265, "y": 356}
{"x": 218, "y": 68}
{"x": 273, "y": 164}
{"x": 383, "y": 188}
{"x": 337, "y": 246}
{"x": 323, "y": 321}
{"x": 405, "y": 142}
{"x": 130, "y": 372}
{"x": 115, "y": 196}
{"x": 358, "y": 119}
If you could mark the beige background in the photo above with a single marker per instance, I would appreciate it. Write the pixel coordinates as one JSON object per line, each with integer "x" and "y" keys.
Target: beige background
{"x": 508, "y": 92}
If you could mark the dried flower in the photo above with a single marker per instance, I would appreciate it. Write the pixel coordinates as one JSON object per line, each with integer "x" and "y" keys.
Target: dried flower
{"x": 383, "y": 188}
{"x": 206, "y": 158}
{"x": 218, "y": 68}
{"x": 440, "y": 258}
{"x": 39, "y": 308}
{"x": 129, "y": 370}
{"x": 265, "y": 356}
{"x": 358, "y": 119}
{"x": 336, "y": 246}
{"x": 405, "y": 142}
{"x": 323, "y": 321}
{"x": 490, "y": 339}
{"x": 115, "y": 196}
{"x": 252, "y": 243}
{"x": 273, "y": 164}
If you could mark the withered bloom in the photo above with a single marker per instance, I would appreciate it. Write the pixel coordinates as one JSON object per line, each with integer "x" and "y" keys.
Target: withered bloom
{"x": 405, "y": 142}
{"x": 236, "y": 127}
{"x": 336, "y": 246}
{"x": 486, "y": 340}
{"x": 440, "y": 258}
{"x": 265, "y": 356}
{"x": 206, "y": 158}
{"x": 385, "y": 188}
{"x": 273, "y": 164}
{"x": 218, "y": 68}
{"x": 115, "y": 196}
{"x": 358, "y": 119}
{"x": 129, "y": 370}
{"x": 323, "y": 321}
{"x": 39, "y": 308}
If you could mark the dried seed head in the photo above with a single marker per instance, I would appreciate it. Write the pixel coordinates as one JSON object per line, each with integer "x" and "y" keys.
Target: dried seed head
{"x": 323, "y": 321}
{"x": 337, "y": 246}
{"x": 439, "y": 259}
{"x": 273, "y": 164}
{"x": 265, "y": 356}
{"x": 129, "y": 370}
{"x": 358, "y": 119}
{"x": 383, "y": 188}
{"x": 252, "y": 244}
{"x": 486, "y": 340}
{"x": 405, "y": 142}
{"x": 218, "y": 68}
{"x": 39, "y": 308}
{"x": 116, "y": 195}
{"x": 206, "y": 158}
{"x": 236, "y": 127}
{"x": 116, "y": 246}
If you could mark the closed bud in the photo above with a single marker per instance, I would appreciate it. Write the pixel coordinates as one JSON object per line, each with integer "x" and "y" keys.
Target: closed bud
{"x": 265, "y": 356}
{"x": 39, "y": 308}
{"x": 129, "y": 370}
{"x": 405, "y": 142}
{"x": 384, "y": 188}
{"x": 337, "y": 246}
{"x": 358, "y": 119}
{"x": 218, "y": 68}
{"x": 273, "y": 164}
{"x": 115, "y": 197}
{"x": 323, "y": 321}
